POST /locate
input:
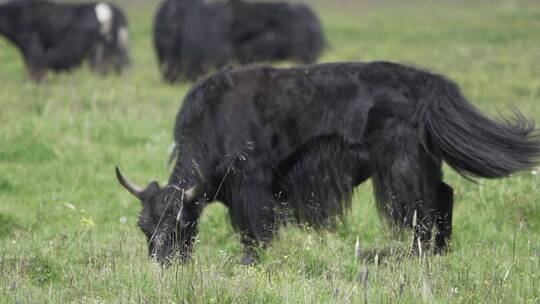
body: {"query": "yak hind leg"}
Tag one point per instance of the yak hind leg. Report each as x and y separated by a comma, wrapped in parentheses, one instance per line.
(443, 210)
(406, 181)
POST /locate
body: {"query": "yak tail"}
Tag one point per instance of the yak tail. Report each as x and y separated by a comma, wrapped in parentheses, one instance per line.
(471, 143)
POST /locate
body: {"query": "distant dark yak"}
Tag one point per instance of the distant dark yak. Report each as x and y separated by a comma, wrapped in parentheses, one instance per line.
(272, 142)
(58, 37)
(192, 37)
(275, 31)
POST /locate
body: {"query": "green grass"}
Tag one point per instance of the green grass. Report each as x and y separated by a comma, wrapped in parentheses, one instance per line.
(63, 235)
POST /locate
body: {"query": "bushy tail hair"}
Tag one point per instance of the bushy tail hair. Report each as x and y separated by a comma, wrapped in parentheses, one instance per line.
(471, 143)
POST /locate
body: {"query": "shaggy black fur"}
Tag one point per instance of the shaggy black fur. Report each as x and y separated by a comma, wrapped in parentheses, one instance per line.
(192, 37)
(59, 37)
(303, 138)
(327, 160)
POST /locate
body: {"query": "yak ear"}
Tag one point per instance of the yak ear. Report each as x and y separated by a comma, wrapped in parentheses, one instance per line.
(130, 186)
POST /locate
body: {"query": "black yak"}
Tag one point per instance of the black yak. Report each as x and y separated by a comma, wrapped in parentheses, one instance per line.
(58, 37)
(192, 37)
(268, 141)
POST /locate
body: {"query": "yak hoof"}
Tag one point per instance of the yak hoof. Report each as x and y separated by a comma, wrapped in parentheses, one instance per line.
(249, 259)
(441, 250)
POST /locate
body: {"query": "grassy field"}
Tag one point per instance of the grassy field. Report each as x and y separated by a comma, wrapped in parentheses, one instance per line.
(68, 231)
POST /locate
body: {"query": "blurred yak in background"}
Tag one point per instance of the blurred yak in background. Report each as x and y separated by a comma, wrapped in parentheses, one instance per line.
(59, 37)
(192, 37)
(267, 142)
(275, 31)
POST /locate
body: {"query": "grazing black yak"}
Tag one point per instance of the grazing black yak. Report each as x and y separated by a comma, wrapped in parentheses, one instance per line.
(261, 140)
(58, 37)
(192, 37)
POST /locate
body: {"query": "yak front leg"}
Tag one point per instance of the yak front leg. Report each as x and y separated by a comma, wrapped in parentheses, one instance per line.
(188, 228)
(34, 56)
(252, 212)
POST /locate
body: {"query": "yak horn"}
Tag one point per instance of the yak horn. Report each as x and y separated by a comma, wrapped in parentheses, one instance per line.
(130, 186)
(192, 193)
(196, 190)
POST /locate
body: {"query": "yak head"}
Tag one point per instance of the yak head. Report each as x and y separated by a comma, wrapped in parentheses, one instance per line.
(162, 218)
